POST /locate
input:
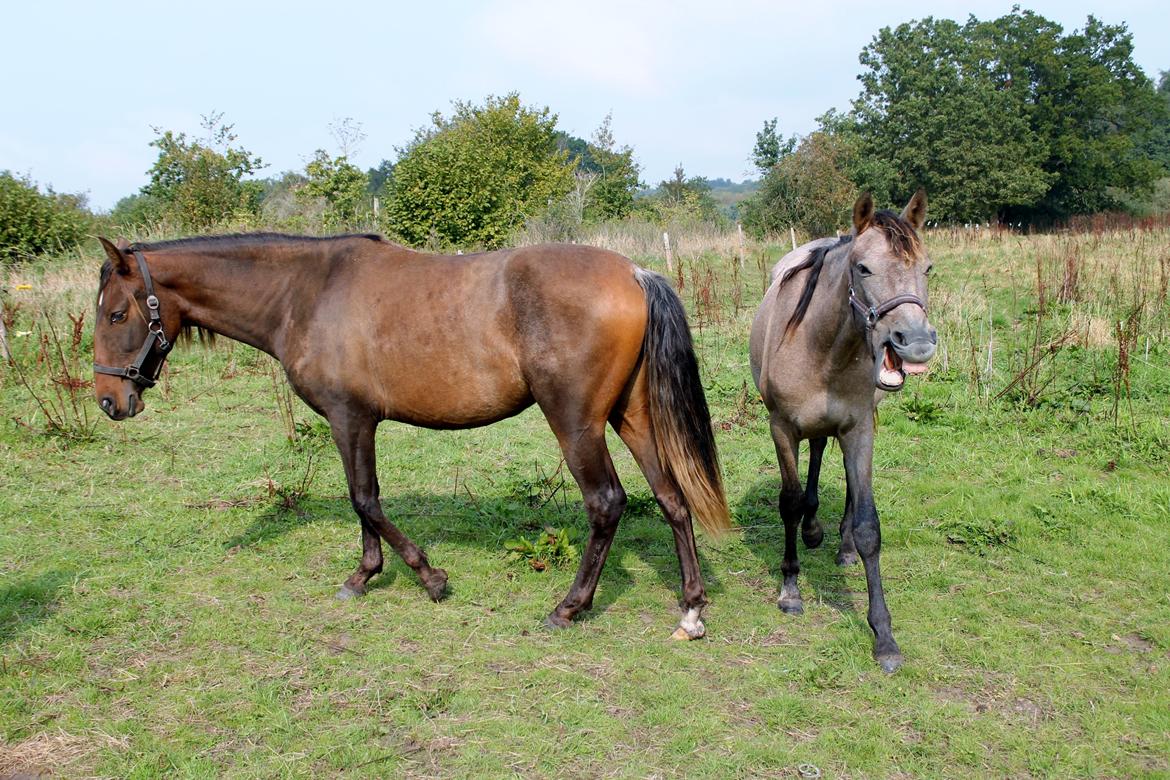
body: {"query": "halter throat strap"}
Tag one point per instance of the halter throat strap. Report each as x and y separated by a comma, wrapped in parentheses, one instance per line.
(155, 344)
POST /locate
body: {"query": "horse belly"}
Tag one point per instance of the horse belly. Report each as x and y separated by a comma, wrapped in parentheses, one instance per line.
(445, 386)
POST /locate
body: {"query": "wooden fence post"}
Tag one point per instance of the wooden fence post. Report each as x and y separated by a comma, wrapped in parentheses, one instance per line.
(669, 259)
(739, 230)
(792, 234)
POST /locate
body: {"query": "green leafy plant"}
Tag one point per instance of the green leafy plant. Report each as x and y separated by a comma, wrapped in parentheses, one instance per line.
(552, 548)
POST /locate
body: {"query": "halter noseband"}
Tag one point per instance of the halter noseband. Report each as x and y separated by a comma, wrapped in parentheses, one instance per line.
(872, 314)
(137, 372)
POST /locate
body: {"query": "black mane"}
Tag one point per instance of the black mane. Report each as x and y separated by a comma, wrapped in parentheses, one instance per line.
(232, 240)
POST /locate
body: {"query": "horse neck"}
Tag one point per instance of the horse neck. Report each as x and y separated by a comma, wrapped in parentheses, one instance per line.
(237, 292)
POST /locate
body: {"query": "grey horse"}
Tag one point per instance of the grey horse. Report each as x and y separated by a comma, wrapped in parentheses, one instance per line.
(822, 354)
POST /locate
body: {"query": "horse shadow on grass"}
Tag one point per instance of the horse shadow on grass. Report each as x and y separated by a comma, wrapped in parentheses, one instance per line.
(821, 579)
(25, 603)
(488, 522)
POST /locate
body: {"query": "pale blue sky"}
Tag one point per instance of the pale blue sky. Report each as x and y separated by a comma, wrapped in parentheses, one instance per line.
(689, 82)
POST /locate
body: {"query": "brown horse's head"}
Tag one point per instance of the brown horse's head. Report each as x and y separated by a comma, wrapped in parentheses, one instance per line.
(129, 334)
(889, 268)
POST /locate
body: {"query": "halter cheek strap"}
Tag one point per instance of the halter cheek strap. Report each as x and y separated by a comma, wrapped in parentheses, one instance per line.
(156, 343)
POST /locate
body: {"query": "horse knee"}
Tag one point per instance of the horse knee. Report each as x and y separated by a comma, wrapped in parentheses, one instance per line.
(791, 505)
(867, 532)
(605, 506)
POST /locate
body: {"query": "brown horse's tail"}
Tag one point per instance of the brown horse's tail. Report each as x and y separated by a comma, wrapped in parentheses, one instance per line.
(678, 408)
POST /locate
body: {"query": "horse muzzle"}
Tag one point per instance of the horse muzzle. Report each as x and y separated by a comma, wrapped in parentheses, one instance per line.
(907, 351)
(115, 411)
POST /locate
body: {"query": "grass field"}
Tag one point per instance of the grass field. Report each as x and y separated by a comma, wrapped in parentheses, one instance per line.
(166, 601)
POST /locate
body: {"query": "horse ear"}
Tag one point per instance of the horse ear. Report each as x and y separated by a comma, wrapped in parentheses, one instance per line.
(117, 254)
(915, 211)
(862, 213)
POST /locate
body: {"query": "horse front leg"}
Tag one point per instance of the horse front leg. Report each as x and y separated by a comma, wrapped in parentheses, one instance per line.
(791, 512)
(857, 446)
(354, 436)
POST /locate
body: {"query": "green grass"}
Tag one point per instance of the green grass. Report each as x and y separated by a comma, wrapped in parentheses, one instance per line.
(166, 601)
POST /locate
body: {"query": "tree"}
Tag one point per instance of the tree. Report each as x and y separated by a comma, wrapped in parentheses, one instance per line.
(612, 194)
(935, 116)
(472, 178)
(1007, 118)
(682, 199)
(770, 148)
(32, 222)
(342, 186)
(809, 189)
(198, 184)
(379, 178)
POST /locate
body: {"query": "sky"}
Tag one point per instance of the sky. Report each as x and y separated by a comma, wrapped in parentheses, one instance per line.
(690, 83)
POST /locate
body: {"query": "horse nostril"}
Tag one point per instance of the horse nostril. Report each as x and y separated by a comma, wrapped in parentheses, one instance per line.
(106, 404)
(933, 336)
(899, 338)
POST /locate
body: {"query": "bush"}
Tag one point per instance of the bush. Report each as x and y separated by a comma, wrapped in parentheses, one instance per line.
(32, 222)
(472, 179)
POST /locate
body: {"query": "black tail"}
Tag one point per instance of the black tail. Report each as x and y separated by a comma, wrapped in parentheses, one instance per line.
(678, 408)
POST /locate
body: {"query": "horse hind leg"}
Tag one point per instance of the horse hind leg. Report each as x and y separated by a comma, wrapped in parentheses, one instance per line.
(605, 500)
(810, 528)
(634, 427)
(792, 513)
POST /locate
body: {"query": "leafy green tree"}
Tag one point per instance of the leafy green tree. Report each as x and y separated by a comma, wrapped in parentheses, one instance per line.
(471, 178)
(379, 178)
(934, 115)
(612, 194)
(770, 147)
(342, 186)
(809, 189)
(1008, 118)
(198, 184)
(682, 199)
(32, 222)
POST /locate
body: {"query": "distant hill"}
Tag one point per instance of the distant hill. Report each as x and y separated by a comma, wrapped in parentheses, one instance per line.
(728, 193)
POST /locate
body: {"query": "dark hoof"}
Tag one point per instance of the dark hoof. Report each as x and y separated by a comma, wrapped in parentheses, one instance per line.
(555, 622)
(437, 584)
(346, 593)
(847, 558)
(791, 606)
(890, 662)
(812, 534)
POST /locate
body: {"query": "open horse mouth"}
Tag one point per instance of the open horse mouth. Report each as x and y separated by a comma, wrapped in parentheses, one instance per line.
(893, 371)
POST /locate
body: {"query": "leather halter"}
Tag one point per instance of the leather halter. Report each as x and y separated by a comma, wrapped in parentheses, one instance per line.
(156, 343)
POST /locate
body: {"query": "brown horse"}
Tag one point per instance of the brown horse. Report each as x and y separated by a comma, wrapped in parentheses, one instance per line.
(820, 352)
(369, 331)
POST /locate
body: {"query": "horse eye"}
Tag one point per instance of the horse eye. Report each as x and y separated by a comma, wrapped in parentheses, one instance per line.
(863, 270)
(929, 268)
(117, 317)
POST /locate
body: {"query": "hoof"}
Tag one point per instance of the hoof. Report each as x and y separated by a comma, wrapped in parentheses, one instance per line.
(682, 635)
(437, 584)
(690, 627)
(555, 622)
(791, 606)
(890, 662)
(847, 558)
(812, 534)
(346, 593)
